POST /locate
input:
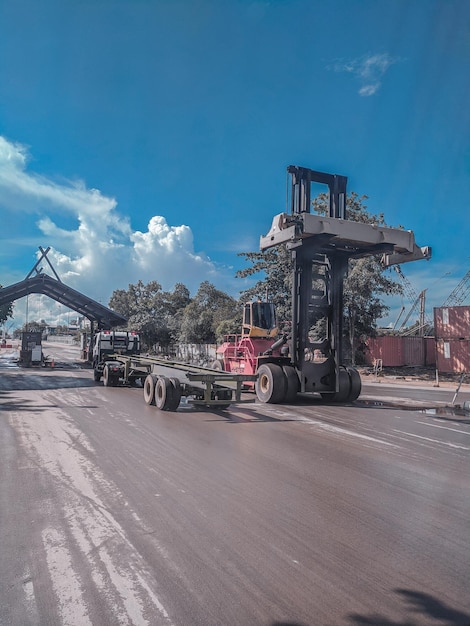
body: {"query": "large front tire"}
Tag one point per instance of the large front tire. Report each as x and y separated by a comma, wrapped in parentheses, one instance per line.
(271, 384)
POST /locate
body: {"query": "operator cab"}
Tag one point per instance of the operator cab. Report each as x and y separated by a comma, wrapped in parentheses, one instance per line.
(259, 320)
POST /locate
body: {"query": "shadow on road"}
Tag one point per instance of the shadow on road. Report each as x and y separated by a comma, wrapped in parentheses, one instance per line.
(248, 416)
(11, 404)
(28, 382)
(420, 605)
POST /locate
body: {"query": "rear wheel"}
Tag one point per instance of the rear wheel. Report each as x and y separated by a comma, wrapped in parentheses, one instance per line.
(164, 393)
(149, 389)
(109, 378)
(223, 394)
(271, 384)
(177, 393)
(96, 375)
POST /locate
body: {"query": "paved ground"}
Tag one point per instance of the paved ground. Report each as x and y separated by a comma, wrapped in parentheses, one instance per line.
(112, 512)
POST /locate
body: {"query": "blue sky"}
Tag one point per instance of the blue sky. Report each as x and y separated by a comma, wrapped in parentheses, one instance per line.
(149, 139)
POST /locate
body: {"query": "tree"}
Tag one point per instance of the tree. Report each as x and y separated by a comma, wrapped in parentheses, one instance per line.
(6, 311)
(176, 302)
(364, 286)
(34, 327)
(205, 313)
(153, 313)
(275, 279)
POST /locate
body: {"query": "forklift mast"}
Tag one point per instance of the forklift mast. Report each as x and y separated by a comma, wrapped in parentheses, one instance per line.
(321, 247)
(317, 288)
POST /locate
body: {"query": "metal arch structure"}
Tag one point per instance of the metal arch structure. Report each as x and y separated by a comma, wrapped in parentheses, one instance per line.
(99, 315)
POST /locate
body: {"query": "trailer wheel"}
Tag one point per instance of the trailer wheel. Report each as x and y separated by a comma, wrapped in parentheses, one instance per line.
(164, 396)
(356, 384)
(223, 394)
(271, 385)
(109, 380)
(343, 395)
(218, 364)
(177, 393)
(292, 383)
(149, 389)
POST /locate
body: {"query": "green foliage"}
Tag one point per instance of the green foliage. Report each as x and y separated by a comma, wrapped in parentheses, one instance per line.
(275, 279)
(168, 317)
(34, 326)
(207, 314)
(153, 313)
(6, 311)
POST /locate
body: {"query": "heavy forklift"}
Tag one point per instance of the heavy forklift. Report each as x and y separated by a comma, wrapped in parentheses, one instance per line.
(311, 359)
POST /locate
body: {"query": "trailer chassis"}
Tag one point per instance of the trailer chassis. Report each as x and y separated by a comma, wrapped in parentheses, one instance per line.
(166, 381)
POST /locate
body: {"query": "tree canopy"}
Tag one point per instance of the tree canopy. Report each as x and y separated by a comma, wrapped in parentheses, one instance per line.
(6, 311)
(162, 318)
(150, 311)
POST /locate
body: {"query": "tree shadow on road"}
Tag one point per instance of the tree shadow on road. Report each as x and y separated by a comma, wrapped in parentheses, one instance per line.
(422, 605)
(41, 383)
(244, 416)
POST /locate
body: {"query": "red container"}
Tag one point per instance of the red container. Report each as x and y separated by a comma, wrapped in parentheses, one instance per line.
(430, 347)
(452, 327)
(401, 351)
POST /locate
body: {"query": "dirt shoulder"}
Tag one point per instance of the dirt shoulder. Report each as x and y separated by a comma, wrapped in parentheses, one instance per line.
(422, 376)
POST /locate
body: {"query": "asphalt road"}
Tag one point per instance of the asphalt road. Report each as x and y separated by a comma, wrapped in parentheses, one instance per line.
(112, 512)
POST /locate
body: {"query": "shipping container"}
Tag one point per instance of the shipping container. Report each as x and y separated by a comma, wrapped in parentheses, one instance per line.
(452, 328)
(395, 351)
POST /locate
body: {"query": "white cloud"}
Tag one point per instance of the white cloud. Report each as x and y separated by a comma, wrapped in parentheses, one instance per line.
(368, 69)
(369, 90)
(101, 252)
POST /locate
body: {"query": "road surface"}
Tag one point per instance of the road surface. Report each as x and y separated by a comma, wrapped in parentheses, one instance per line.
(112, 512)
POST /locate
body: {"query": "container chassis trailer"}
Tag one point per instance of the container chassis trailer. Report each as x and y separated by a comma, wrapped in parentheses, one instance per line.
(166, 381)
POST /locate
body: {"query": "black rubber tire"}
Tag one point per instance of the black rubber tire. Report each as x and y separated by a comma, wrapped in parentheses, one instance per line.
(344, 388)
(96, 376)
(292, 383)
(271, 385)
(163, 393)
(177, 393)
(149, 389)
(356, 384)
(224, 394)
(218, 364)
(108, 379)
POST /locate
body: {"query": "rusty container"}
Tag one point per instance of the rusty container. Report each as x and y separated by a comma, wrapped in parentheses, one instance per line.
(452, 328)
(396, 351)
